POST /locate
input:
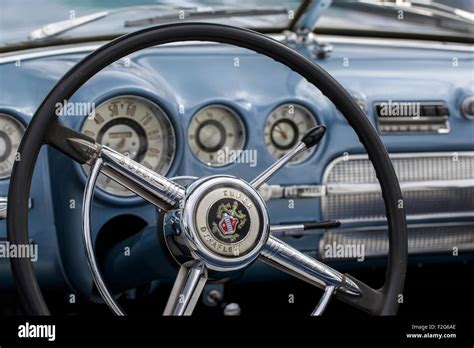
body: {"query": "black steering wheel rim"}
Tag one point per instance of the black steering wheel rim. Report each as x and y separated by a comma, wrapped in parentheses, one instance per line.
(44, 119)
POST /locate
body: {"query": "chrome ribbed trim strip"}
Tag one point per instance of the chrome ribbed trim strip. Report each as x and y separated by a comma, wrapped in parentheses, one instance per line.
(422, 239)
(351, 181)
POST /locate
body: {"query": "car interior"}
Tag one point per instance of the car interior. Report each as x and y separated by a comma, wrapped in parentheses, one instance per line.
(215, 158)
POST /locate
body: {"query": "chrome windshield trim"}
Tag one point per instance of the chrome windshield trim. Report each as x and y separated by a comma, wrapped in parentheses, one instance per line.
(29, 54)
(399, 43)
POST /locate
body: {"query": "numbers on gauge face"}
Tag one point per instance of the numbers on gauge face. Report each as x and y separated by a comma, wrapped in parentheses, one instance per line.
(136, 127)
(213, 132)
(284, 127)
(11, 132)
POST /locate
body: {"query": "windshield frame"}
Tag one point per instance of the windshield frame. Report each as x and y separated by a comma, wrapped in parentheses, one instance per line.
(59, 39)
(305, 6)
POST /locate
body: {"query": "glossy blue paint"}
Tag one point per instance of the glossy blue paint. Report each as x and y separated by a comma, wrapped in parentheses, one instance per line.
(194, 76)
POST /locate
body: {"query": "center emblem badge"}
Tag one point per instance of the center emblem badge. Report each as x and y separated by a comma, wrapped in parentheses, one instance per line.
(231, 221)
(228, 221)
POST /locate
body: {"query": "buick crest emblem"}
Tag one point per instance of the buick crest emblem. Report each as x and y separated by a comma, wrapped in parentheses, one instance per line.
(229, 221)
(228, 224)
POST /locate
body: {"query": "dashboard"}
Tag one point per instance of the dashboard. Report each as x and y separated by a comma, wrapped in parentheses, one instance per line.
(192, 110)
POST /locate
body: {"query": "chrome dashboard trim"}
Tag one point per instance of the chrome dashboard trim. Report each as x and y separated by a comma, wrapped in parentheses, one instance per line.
(414, 249)
(324, 189)
(414, 217)
(4, 207)
(46, 52)
(404, 185)
(465, 105)
(316, 191)
(349, 157)
(338, 189)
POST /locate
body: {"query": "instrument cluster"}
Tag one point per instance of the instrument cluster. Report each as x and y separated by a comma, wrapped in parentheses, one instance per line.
(11, 132)
(212, 131)
(284, 128)
(141, 129)
(134, 126)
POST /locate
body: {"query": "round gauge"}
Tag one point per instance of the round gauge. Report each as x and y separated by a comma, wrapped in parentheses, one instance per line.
(11, 132)
(285, 127)
(136, 127)
(215, 133)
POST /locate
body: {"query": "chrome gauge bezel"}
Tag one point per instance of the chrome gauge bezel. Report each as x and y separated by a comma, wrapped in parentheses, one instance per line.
(164, 118)
(236, 117)
(465, 107)
(22, 127)
(266, 131)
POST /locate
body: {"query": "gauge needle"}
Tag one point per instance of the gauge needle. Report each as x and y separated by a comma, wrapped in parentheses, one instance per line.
(210, 132)
(120, 144)
(282, 132)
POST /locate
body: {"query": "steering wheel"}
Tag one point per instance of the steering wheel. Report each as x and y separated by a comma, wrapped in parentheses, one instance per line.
(246, 236)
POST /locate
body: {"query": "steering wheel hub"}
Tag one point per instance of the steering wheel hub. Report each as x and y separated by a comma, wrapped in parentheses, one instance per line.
(225, 222)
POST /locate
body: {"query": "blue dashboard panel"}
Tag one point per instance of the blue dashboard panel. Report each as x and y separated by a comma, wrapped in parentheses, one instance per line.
(182, 79)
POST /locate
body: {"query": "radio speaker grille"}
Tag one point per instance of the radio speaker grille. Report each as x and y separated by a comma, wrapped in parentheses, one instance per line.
(441, 238)
(409, 168)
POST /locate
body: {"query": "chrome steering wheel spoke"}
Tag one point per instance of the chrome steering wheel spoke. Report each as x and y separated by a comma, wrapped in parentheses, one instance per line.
(190, 281)
(151, 186)
(284, 257)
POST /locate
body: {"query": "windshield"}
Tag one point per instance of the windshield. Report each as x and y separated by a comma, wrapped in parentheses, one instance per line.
(27, 21)
(18, 18)
(430, 17)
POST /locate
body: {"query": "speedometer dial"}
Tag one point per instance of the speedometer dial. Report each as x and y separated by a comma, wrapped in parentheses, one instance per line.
(136, 127)
(284, 127)
(11, 132)
(215, 134)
